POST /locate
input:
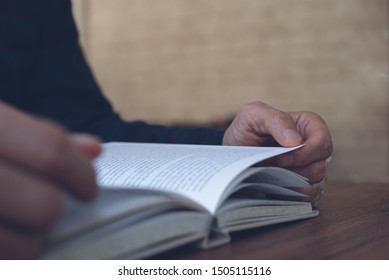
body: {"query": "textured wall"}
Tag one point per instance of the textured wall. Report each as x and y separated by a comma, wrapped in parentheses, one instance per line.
(194, 61)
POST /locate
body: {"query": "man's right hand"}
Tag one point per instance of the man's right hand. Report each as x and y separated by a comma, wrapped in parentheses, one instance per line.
(39, 161)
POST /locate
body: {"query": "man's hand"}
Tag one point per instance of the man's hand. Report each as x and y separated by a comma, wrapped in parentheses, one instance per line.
(39, 161)
(258, 124)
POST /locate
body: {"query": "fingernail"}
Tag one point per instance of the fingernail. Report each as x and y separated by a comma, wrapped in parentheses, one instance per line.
(89, 145)
(292, 135)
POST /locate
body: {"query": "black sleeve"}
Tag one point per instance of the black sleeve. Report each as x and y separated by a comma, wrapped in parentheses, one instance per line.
(61, 87)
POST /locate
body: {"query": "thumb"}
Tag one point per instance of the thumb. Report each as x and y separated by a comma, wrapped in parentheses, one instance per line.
(280, 126)
(290, 137)
(260, 121)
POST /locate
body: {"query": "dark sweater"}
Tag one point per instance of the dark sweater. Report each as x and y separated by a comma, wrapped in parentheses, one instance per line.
(43, 72)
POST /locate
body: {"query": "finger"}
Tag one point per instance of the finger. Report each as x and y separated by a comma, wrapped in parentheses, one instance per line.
(16, 245)
(317, 139)
(27, 201)
(47, 149)
(314, 172)
(266, 120)
(88, 144)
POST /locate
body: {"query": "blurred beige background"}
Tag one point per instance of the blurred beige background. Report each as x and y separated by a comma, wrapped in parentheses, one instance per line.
(186, 61)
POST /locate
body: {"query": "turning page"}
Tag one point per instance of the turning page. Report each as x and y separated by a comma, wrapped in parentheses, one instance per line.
(198, 172)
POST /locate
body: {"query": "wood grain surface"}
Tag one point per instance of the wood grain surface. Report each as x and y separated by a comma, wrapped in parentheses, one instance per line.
(353, 224)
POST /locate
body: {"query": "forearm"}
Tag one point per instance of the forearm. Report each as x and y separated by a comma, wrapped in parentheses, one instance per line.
(143, 132)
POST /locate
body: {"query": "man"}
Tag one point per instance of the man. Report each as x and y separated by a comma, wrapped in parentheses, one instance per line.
(51, 105)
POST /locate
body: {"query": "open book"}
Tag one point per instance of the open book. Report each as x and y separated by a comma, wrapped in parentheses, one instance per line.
(155, 197)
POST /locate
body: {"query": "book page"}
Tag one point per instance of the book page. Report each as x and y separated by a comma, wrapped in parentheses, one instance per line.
(278, 176)
(198, 172)
(109, 206)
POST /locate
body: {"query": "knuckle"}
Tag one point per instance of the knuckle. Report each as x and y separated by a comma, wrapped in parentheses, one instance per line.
(310, 115)
(318, 172)
(328, 146)
(255, 104)
(250, 109)
(253, 107)
(326, 138)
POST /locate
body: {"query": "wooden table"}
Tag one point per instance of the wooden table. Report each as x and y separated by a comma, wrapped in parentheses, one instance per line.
(353, 224)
